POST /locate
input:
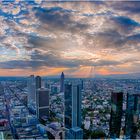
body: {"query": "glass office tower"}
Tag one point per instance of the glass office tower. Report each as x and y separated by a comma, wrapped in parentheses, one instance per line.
(38, 82)
(116, 114)
(72, 105)
(132, 115)
(68, 105)
(42, 102)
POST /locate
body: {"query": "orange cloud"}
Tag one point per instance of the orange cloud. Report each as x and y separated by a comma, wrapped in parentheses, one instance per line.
(105, 71)
(27, 72)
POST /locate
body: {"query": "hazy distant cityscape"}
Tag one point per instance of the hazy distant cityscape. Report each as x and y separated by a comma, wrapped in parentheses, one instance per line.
(69, 108)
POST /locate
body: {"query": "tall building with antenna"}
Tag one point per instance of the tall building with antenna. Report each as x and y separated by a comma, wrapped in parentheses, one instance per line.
(62, 82)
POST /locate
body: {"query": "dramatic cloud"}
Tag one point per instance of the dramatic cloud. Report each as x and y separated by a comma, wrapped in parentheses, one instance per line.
(71, 36)
(58, 18)
(129, 6)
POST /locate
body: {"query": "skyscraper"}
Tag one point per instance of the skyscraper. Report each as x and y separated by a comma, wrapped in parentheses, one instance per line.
(68, 105)
(38, 86)
(76, 105)
(132, 114)
(1, 89)
(31, 89)
(116, 114)
(72, 105)
(38, 82)
(42, 102)
(62, 82)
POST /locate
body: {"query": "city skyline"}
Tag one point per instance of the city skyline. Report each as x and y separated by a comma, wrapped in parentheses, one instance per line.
(38, 108)
(81, 39)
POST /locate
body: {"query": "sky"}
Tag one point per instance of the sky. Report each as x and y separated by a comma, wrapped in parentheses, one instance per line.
(83, 39)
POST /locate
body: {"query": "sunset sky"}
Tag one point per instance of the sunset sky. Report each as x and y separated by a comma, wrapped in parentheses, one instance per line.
(82, 39)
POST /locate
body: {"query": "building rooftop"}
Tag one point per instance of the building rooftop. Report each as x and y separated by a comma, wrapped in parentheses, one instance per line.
(76, 129)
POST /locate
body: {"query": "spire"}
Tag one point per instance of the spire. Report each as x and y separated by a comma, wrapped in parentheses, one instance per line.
(62, 75)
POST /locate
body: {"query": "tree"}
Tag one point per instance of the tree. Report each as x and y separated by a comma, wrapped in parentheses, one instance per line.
(84, 112)
(87, 134)
(98, 134)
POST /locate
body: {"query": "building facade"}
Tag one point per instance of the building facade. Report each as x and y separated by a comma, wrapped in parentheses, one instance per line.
(42, 102)
(38, 82)
(62, 82)
(76, 133)
(31, 89)
(72, 105)
(132, 115)
(76, 105)
(68, 105)
(116, 114)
